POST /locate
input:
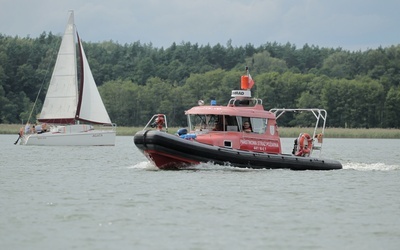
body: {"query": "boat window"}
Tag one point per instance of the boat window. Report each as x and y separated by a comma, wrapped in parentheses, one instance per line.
(203, 122)
(242, 121)
(258, 125)
(231, 123)
(214, 123)
(218, 124)
(231, 120)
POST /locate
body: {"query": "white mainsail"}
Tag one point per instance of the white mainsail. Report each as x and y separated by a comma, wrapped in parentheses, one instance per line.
(61, 98)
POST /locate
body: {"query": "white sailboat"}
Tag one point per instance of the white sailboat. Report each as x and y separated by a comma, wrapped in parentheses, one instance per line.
(68, 106)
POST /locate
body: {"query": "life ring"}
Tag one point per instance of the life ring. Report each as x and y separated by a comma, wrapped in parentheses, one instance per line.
(304, 149)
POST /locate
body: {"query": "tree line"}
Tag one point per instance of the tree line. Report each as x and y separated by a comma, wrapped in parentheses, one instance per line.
(359, 89)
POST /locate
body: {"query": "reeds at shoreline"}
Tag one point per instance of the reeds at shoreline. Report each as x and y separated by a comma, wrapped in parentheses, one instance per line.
(345, 132)
(284, 132)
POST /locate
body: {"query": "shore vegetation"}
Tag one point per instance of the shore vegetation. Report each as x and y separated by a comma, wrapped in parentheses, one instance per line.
(285, 132)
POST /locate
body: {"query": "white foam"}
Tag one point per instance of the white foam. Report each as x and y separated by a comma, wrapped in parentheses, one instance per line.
(370, 166)
(147, 165)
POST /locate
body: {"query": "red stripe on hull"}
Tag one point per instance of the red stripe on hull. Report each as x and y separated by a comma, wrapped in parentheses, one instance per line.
(167, 161)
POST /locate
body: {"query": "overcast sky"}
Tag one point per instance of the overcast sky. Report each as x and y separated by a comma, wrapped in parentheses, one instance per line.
(349, 24)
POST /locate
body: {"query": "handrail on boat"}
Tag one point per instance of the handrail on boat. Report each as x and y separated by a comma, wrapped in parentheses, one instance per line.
(153, 122)
(318, 114)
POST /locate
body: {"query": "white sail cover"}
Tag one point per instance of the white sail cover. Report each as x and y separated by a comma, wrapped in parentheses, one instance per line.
(62, 98)
(92, 108)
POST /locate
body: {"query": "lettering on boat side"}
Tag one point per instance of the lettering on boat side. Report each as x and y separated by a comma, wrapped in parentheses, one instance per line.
(270, 144)
(97, 135)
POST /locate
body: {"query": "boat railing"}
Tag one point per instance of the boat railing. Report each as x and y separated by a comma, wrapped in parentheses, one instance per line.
(157, 121)
(80, 127)
(319, 128)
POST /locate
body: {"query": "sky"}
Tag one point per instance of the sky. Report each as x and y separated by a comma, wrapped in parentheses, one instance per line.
(349, 24)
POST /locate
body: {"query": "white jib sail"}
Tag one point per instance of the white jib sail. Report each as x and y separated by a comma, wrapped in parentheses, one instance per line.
(92, 106)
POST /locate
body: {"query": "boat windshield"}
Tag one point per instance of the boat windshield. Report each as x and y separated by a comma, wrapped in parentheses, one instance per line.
(258, 125)
(204, 123)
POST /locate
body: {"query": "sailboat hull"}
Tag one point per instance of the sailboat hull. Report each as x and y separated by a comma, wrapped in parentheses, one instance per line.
(68, 138)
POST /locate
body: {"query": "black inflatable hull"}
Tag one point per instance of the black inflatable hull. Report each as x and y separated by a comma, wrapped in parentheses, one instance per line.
(168, 151)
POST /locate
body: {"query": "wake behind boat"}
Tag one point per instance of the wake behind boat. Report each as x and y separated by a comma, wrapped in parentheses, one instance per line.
(68, 106)
(241, 134)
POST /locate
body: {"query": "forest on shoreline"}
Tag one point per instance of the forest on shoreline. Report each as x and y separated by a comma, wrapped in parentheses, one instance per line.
(359, 89)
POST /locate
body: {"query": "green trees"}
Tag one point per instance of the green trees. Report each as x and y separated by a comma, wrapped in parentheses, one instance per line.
(358, 89)
(121, 98)
(391, 115)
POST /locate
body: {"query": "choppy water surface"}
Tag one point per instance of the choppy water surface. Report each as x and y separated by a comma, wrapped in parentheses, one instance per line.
(112, 198)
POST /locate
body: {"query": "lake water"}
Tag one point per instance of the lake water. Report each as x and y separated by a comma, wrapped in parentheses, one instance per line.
(113, 198)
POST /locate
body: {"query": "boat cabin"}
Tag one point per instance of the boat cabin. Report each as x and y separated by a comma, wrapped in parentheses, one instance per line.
(242, 124)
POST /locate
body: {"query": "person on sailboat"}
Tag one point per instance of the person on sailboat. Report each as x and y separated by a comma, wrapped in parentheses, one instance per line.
(40, 129)
(43, 128)
(20, 134)
(27, 128)
(33, 129)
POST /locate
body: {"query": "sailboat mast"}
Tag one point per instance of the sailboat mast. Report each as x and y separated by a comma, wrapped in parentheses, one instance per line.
(81, 82)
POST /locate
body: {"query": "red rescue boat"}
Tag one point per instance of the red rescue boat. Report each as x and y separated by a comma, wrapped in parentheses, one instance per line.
(241, 134)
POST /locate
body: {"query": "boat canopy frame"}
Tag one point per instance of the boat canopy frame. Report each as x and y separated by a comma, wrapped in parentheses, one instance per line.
(154, 123)
(319, 114)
